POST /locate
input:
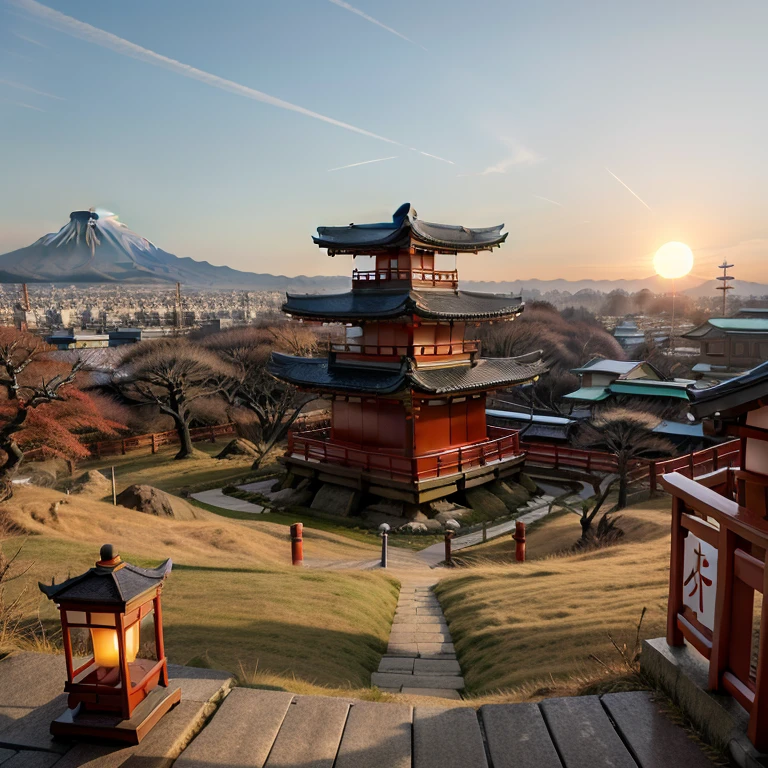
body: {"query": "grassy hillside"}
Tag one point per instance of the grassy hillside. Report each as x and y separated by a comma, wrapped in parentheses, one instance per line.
(231, 602)
(536, 623)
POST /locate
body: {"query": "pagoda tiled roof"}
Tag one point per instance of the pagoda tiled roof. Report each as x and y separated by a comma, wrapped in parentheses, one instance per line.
(373, 305)
(485, 373)
(404, 227)
(733, 396)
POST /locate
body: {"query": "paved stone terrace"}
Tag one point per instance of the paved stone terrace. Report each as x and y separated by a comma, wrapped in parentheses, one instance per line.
(276, 729)
(420, 658)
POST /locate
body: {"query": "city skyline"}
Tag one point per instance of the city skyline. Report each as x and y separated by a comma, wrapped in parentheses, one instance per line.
(596, 134)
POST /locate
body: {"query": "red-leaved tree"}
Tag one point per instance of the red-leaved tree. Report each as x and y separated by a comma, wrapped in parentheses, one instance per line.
(41, 406)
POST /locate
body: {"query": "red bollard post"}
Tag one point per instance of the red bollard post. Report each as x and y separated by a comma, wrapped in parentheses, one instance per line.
(297, 544)
(519, 537)
(448, 536)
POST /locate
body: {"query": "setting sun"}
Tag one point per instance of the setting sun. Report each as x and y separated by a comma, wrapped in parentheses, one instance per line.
(673, 260)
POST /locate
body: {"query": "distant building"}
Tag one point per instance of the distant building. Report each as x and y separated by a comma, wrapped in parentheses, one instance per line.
(534, 426)
(121, 336)
(71, 339)
(628, 334)
(731, 345)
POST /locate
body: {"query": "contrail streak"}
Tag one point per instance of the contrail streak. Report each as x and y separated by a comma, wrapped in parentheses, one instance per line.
(434, 157)
(628, 189)
(364, 162)
(352, 9)
(29, 89)
(91, 34)
(30, 40)
(547, 200)
(23, 104)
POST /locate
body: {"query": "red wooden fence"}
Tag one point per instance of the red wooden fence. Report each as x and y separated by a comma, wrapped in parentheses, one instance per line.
(156, 440)
(706, 518)
(697, 463)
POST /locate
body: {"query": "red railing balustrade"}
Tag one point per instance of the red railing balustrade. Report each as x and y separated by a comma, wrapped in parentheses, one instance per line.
(406, 350)
(697, 463)
(316, 446)
(717, 564)
(446, 278)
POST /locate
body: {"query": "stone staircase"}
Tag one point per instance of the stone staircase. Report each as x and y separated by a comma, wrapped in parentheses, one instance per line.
(420, 658)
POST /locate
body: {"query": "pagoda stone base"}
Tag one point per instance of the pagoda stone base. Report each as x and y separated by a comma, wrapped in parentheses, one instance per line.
(492, 490)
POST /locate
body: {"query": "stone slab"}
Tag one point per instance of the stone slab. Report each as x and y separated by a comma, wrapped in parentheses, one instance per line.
(408, 650)
(517, 737)
(231, 737)
(32, 759)
(435, 693)
(376, 736)
(311, 733)
(653, 739)
(435, 650)
(429, 611)
(583, 734)
(436, 667)
(395, 679)
(198, 684)
(6, 754)
(447, 738)
(428, 621)
(396, 664)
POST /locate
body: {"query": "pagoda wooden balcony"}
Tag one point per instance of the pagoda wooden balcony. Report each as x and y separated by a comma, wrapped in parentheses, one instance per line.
(459, 350)
(418, 277)
(727, 568)
(393, 475)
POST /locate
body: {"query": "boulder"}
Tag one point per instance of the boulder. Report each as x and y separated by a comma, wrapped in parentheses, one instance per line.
(153, 501)
(513, 495)
(433, 526)
(238, 448)
(443, 510)
(527, 483)
(485, 503)
(413, 528)
(336, 500)
(291, 497)
(91, 483)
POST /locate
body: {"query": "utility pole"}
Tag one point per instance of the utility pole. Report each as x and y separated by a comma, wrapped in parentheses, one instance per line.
(178, 306)
(726, 286)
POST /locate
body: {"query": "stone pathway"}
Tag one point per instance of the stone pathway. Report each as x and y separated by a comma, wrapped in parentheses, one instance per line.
(216, 498)
(420, 658)
(278, 729)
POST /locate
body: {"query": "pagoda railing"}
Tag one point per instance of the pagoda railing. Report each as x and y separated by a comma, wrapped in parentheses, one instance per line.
(316, 446)
(717, 564)
(444, 278)
(406, 350)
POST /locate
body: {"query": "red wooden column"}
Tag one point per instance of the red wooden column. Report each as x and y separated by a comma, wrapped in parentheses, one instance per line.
(675, 604)
(758, 717)
(159, 641)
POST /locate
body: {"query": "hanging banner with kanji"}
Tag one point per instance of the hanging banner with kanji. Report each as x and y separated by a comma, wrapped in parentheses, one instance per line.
(700, 579)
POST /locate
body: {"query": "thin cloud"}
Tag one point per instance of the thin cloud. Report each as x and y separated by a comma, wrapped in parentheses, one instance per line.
(547, 200)
(519, 155)
(631, 191)
(22, 104)
(29, 89)
(434, 157)
(364, 162)
(100, 37)
(30, 40)
(352, 9)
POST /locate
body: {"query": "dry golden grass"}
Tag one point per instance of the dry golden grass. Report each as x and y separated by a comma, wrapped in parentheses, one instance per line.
(232, 601)
(536, 626)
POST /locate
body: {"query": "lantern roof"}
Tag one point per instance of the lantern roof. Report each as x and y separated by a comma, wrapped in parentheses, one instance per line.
(431, 305)
(404, 228)
(111, 581)
(318, 373)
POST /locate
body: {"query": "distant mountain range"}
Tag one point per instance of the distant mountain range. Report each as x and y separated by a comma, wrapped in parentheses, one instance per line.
(689, 285)
(93, 248)
(98, 248)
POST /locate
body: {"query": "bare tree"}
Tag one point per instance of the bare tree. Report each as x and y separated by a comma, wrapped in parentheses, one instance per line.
(628, 435)
(249, 385)
(171, 374)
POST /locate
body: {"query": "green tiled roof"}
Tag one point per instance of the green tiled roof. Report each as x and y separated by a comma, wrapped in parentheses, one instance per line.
(655, 389)
(591, 394)
(755, 324)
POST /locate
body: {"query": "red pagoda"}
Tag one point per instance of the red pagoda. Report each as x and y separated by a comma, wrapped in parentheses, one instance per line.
(407, 385)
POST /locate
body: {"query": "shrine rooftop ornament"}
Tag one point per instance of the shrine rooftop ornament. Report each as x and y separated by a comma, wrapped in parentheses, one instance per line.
(113, 695)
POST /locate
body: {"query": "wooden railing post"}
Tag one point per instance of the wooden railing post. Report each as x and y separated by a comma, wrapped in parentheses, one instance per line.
(675, 602)
(758, 716)
(652, 476)
(721, 634)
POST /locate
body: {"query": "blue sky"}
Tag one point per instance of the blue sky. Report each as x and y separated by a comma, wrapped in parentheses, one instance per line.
(544, 110)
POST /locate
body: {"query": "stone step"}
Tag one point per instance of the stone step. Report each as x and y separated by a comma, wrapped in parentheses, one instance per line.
(517, 736)
(448, 737)
(436, 667)
(375, 735)
(437, 693)
(395, 679)
(396, 664)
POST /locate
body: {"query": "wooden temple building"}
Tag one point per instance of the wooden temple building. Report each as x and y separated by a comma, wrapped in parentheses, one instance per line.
(407, 384)
(719, 560)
